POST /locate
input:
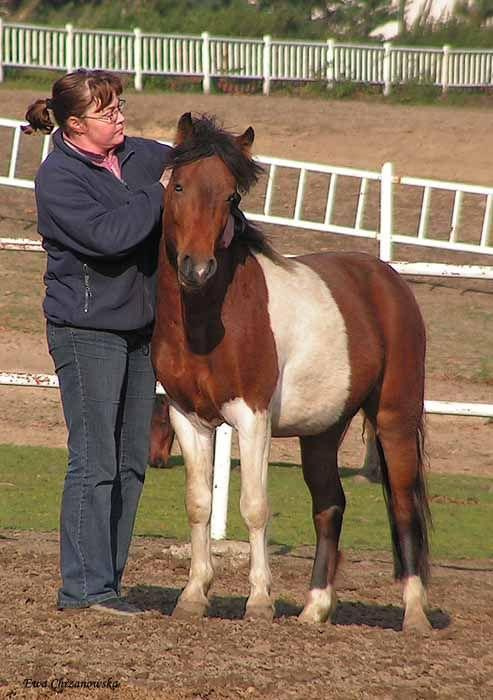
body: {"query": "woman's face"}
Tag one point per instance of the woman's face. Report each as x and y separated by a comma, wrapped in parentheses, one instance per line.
(103, 129)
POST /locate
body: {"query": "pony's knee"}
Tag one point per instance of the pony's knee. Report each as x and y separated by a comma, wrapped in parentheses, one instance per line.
(255, 510)
(328, 522)
(199, 506)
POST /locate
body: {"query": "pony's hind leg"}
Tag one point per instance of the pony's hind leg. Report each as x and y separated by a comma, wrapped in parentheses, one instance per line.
(402, 472)
(320, 471)
(196, 446)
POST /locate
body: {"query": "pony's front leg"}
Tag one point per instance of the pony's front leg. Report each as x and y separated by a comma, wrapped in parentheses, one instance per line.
(254, 435)
(196, 445)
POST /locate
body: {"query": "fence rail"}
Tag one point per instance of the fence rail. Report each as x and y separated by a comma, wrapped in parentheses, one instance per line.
(452, 234)
(264, 59)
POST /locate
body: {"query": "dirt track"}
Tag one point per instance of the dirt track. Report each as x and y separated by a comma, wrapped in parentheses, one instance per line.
(362, 655)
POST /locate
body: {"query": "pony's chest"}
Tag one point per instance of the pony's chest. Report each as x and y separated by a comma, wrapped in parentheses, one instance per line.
(204, 365)
(187, 380)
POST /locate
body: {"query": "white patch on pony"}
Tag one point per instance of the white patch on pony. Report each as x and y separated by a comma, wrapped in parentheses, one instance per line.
(196, 441)
(415, 605)
(320, 604)
(414, 593)
(312, 350)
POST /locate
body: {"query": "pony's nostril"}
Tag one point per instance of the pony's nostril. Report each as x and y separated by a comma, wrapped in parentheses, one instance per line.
(212, 267)
(186, 265)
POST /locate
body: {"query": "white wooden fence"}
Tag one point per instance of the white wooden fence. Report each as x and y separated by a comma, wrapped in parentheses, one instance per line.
(479, 241)
(266, 59)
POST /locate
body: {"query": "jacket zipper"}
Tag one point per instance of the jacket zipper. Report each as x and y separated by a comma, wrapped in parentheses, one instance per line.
(87, 288)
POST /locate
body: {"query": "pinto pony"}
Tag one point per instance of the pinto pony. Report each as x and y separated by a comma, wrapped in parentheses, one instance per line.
(283, 348)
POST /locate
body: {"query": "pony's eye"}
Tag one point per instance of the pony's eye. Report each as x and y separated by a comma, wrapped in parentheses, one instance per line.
(178, 187)
(231, 197)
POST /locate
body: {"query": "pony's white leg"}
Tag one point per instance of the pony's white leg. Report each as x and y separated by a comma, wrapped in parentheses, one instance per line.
(415, 604)
(196, 445)
(254, 435)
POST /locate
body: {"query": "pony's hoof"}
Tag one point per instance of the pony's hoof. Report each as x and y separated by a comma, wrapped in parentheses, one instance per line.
(259, 612)
(189, 610)
(416, 622)
(307, 617)
(319, 608)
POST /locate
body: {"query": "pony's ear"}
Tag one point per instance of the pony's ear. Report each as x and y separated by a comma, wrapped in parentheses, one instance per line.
(246, 139)
(185, 128)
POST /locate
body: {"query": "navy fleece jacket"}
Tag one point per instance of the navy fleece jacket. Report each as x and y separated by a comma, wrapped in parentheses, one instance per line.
(101, 235)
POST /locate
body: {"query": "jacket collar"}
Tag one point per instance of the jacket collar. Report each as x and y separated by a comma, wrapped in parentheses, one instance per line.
(123, 151)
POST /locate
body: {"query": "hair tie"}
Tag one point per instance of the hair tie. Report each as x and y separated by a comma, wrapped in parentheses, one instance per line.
(49, 103)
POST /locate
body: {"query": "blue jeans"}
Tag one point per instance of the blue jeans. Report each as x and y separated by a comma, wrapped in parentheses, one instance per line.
(107, 386)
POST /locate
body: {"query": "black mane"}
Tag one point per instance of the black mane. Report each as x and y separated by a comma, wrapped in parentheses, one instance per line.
(209, 139)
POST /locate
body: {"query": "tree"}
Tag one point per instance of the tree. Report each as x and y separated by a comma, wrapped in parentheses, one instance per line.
(476, 12)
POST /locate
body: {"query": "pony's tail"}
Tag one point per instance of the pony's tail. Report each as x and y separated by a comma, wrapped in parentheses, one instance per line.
(421, 517)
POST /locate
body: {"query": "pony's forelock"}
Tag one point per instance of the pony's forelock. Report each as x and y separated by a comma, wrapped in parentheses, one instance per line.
(209, 139)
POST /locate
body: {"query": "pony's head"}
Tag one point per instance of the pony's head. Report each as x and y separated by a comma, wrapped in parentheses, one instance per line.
(210, 168)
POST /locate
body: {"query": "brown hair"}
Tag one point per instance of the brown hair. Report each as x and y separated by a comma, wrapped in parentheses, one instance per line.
(71, 96)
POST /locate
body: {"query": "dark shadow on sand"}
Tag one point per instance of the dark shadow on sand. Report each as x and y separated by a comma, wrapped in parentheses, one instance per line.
(160, 599)
(154, 598)
(382, 616)
(163, 600)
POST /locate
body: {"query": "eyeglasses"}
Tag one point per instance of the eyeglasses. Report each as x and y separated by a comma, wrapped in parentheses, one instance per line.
(111, 116)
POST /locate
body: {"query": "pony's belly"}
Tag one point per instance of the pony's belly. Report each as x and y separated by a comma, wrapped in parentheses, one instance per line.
(305, 406)
(312, 349)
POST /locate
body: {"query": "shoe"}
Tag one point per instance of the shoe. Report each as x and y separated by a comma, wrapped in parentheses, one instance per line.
(117, 606)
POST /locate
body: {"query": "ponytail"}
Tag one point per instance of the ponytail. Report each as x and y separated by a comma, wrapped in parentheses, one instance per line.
(71, 95)
(38, 117)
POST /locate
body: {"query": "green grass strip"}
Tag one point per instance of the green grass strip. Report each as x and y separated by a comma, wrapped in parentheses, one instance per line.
(31, 481)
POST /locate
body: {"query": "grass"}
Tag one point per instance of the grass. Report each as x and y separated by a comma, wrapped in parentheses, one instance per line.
(31, 481)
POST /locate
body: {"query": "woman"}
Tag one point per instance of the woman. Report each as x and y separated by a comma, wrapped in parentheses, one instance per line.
(100, 199)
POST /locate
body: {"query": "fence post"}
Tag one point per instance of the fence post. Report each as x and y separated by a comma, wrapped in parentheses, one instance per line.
(220, 482)
(1, 50)
(206, 63)
(266, 65)
(69, 48)
(330, 63)
(444, 81)
(386, 212)
(387, 77)
(138, 59)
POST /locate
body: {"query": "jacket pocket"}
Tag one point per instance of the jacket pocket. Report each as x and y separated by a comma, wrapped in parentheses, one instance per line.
(87, 288)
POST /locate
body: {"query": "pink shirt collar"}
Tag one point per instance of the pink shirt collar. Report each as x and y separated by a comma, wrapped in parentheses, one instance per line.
(109, 161)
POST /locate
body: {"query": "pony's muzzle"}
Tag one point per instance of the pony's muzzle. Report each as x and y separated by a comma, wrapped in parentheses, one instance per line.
(195, 273)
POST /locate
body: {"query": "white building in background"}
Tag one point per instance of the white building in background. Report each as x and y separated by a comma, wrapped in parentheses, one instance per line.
(434, 10)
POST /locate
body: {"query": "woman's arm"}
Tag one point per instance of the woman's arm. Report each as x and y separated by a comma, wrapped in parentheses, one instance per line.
(69, 215)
